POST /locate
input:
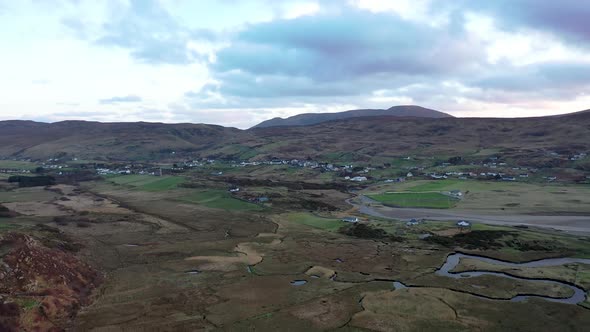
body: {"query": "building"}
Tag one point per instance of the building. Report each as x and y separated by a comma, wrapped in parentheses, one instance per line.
(456, 193)
(350, 219)
(463, 223)
(359, 178)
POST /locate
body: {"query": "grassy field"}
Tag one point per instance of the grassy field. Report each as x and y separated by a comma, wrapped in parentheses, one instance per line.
(418, 200)
(34, 194)
(17, 164)
(148, 182)
(515, 197)
(311, 220)
(219, 199)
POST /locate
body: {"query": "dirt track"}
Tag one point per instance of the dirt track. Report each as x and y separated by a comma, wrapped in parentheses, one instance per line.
(563, 223)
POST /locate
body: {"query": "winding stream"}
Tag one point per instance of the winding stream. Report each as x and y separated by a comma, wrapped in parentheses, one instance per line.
(453, 260)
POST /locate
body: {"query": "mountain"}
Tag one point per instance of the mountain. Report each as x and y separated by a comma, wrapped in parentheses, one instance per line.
(374, 139)
(107, 141)
(315, 118)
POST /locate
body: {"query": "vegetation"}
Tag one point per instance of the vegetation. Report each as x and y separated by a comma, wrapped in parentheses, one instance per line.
(149, 182)
(314, 221)
(15, 164)
(365, 231)
(5, 212)
(417, 200)
(32, 181)
(219, 199)
(473, 240)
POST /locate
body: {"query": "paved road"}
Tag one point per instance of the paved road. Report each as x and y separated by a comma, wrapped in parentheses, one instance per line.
(574, 224)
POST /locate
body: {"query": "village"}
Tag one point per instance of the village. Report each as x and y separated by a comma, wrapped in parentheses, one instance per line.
(489, 168)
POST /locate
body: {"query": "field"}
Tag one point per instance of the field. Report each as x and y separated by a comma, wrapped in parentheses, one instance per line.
(185, 257)
(419, 200)
(218, 199)
(504, 196)
(14, 164)
(148, 182)
(314, 221)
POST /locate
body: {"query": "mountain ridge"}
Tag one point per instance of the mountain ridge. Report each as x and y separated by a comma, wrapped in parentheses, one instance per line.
(307, 119)
(360, 138)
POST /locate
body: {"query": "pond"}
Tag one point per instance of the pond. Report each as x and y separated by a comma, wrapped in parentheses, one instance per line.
(298, 282)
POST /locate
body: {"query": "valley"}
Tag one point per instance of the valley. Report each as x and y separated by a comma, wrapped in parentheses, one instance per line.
(316, 241)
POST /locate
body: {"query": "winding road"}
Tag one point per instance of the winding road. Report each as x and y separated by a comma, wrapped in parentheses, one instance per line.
(576, 224)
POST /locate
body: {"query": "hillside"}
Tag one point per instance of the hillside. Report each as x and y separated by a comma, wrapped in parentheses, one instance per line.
(379, 138)
(315, 118)
(105, 141)
(369, 139)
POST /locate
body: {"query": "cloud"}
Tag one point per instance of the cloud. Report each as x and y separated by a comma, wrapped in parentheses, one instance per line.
(332, 58)
(348, 45)
(122, 99)
(145, 28)
(565, 18)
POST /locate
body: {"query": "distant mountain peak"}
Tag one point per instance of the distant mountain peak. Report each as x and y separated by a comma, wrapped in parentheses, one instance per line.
(307, 119)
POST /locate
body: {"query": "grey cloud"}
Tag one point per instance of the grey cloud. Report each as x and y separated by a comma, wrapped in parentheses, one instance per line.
(333, 58)
(548, 76)
(566, 18)
(350, 45)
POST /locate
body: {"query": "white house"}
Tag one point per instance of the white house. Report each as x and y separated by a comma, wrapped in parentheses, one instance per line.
(359, 178)
(350, 219)
(463, 223)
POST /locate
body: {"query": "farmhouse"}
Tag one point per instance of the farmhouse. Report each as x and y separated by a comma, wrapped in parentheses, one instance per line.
(350, 219)
(456, 193)
(463, 223)
(359, 178)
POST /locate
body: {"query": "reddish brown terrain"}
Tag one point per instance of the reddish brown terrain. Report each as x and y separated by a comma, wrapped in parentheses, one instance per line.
(41, 288)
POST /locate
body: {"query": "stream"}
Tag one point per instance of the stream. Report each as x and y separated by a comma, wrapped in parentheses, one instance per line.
(578, 296)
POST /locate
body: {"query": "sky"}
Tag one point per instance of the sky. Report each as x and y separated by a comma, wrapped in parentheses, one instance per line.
(237, 62)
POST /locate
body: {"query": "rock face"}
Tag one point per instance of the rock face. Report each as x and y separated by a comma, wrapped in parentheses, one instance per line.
(42, 288)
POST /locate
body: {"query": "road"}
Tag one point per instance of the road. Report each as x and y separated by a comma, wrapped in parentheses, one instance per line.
(574, 224)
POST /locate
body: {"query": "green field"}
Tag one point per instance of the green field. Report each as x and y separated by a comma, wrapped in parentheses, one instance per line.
(219, 199)
(148, 182)
(311, 220)
(438, 185)
(15, 164)
(417, 200)
(518, 197)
